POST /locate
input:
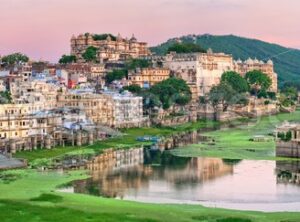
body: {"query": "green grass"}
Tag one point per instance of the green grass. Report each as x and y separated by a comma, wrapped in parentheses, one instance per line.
(234, 143)
(33, 198)
(128, 140)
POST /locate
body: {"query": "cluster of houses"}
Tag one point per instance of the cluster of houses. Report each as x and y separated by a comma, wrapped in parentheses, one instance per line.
(54, 104)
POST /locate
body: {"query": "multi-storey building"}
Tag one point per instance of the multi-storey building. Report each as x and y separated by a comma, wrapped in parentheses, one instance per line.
(36, 91)
(127, 111)
(204, 70)
(98, 107)
(16, 120)
(147, 77)
(109, 48)
(109, 109)
(250, 65)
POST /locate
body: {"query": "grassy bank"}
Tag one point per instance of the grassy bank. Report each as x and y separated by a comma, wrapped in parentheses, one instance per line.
(28, 195)
(128, 140)
(234, 143)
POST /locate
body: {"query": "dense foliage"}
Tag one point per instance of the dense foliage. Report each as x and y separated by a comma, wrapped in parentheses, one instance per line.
(90, 54)
(98, 37)
(224, 95)
(290, 92)
(285, 136)
(5, 97)
(14, 59)
(236, 81)
(286, 64)
(137, 63)
(185, 48)
(116, 74)
(172, 91)
(65, 59)
(133, 88)
(288, 96)
(258, 81)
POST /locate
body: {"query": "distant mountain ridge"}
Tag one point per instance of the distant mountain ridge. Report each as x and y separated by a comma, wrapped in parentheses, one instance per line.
(286, 60)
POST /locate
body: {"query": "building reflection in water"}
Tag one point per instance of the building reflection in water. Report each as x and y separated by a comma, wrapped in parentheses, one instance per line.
(288, 172)
(114, 173)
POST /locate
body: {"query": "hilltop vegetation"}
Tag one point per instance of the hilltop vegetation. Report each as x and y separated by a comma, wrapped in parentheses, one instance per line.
(286, 60)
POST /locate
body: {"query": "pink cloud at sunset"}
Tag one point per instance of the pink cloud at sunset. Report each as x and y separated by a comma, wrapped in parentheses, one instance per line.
(42, 28)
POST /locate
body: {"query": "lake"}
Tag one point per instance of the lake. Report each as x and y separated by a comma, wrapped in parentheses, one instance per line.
(153, 176)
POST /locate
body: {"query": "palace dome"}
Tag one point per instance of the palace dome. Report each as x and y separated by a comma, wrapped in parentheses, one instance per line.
(249, 61)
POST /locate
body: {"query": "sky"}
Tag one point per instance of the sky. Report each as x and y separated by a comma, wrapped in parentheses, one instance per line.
(42, 28)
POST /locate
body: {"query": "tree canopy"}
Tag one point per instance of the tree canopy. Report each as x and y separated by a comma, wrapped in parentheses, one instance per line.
(5, 97)
(133, 88)
(14, 59)
(116, 74)
(236, 81)
(172, 91)
(290, 92)
(65, 59)
(185, 48)
(258, 80)
(90, 54)
(137, 63)
(223, 95)
(288, 96)
(98, 37)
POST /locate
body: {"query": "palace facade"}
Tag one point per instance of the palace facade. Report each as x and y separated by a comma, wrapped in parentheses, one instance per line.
(202, 71)
(109, 48)
(147, 77)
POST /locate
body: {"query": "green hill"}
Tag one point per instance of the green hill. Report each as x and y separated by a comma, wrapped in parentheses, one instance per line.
(286, 60)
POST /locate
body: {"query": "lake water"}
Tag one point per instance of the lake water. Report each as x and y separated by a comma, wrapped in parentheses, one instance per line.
(158, 177)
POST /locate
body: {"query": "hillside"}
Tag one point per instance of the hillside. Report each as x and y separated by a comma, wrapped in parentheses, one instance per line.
(286, 60)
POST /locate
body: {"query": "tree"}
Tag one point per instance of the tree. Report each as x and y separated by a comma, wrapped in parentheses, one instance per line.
(133, 88)
(116, 74)
(65, 59)
(14, 59)
(236, 81)
(172, 91)
(257, 81)
(90, 54)
(97, 37)
(5, 97)
(288, 96)
(185, 48)
(137, 63)
(150, 100)
(223, 95)
(291, 93)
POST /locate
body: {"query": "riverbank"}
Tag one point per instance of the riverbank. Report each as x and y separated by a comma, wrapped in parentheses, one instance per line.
(33, 194)
(28, 195)
(127, 140)
(236, 143)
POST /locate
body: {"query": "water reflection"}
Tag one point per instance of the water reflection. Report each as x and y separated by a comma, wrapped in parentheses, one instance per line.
(152, 176)
(116, 173)
(288, 172)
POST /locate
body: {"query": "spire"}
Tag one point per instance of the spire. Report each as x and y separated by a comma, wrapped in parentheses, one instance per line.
(133, 39)
(119, 37)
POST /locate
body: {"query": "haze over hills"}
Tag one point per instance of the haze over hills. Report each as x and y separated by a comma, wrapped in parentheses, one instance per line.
(286, 60)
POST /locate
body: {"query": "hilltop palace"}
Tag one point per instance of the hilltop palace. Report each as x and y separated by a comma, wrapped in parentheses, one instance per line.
(204, 70)
(110, 48)
(200, 70)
